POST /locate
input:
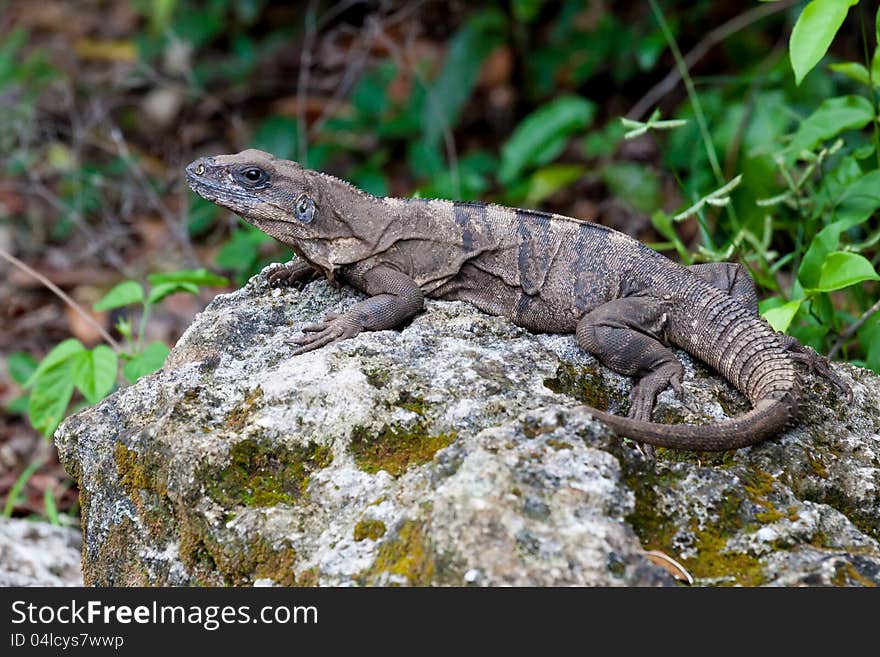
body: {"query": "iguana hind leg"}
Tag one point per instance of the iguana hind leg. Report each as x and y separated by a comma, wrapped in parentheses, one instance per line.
(627, 335)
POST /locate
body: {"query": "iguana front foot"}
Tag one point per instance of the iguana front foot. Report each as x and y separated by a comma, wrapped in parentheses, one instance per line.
(819, 365)
(295, 273)
(334, 328)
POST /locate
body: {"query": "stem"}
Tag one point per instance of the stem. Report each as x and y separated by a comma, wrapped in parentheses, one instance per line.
(61, 295)
(692, 93)
(851, 330)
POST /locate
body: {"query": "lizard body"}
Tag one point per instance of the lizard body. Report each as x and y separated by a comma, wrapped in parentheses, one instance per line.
(547, 273)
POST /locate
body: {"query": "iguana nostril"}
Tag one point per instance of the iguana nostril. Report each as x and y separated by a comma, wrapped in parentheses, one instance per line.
(200, 169)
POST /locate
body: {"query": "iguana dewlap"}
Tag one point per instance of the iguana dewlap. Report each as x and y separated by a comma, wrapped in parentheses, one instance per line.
(626, 303)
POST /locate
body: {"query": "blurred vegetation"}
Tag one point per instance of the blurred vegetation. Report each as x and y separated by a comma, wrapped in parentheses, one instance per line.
(742, 139)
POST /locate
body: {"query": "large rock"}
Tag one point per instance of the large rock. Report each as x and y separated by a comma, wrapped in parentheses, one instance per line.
(451, 452)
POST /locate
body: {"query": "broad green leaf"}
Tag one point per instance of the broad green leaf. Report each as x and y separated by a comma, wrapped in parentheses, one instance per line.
(50, 397)
(124, 294)
(94, 372)
(548, 180)
(151, 359)
(833, 116)
(854, 71)
(635, 183)
(162, 290)
(780, 317)
(813, 32)
(859, 200)
(19, 405)
(824, 242)
(21, 366)
(194, 276)
(59, 354)
(541, 135)
(842, 269)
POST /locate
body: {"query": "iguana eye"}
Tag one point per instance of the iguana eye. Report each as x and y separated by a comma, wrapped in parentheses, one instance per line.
(253, 177)
(305, 209)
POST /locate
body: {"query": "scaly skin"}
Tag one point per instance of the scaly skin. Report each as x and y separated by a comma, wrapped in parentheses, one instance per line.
(626, 303)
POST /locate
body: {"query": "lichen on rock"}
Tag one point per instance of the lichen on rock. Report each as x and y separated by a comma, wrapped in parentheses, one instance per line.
(455, 451)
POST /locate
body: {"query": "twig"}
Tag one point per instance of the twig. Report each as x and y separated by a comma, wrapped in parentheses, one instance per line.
(66, 299)
(714, 37)
(851, 330)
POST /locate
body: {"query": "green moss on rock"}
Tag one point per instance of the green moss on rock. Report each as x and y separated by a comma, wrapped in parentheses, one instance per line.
(587, 386)
(263, 474)
(395, 447)
(372, 529)
(408, 553)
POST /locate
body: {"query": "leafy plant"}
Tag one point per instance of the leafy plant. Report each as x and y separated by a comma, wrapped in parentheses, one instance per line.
(71, 366)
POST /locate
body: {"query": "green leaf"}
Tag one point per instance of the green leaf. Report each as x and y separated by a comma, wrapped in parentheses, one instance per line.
(94, 372)
(19, 405)
(124, 294)
(854, 71)
(162, 290)
(50, 397)
(59, 354)
(21, 366)
(813, 32)
(823, 243)
(833, 116)
(542, 135)
(859, 200)
(278, 135)
(844, 268)
(635, 183)
(780, 317)
(194, 276)
(201, 216)
(548, 180)
(151, 359)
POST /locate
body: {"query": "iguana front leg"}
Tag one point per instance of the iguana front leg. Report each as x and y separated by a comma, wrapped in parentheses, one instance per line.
(395, 298)
(295, 273)
(628, 336)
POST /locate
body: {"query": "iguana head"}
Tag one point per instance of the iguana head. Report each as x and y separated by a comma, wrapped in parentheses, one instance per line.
(323, 219)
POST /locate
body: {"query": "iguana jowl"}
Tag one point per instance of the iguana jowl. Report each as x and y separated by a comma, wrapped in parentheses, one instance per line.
(548, 273)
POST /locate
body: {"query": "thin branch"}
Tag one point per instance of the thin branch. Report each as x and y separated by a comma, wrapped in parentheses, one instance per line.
(61, 295)
(714, 37)
(851, 330)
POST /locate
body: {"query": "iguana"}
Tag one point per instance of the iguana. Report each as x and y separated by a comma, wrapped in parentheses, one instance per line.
(626, 303)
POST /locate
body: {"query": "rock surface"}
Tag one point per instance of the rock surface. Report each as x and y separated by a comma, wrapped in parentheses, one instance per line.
(38, 554)
(452, 452)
